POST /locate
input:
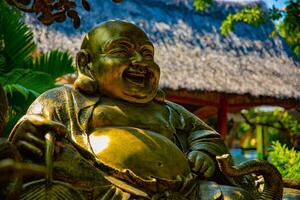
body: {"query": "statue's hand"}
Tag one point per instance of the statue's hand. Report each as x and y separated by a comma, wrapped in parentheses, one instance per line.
(202, 163)
(28, 135)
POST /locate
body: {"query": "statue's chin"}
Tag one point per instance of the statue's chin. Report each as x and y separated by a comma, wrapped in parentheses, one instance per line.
(145, 153)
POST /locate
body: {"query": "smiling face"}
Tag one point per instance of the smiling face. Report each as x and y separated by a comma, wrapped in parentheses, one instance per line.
(122, 62)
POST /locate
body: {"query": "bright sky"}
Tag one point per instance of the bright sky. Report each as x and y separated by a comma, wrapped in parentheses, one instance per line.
(278, 3)
(270, 3)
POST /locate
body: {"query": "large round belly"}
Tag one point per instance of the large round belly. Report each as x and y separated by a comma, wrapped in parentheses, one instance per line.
(145, 153)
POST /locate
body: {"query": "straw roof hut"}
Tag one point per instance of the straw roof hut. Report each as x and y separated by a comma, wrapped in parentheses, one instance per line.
(201, 69)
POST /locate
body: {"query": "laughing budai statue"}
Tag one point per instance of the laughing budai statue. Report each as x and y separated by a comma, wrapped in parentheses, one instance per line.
(116, 135)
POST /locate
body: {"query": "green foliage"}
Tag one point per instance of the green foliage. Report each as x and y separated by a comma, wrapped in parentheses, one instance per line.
(289, 28)
(280, 124)
(16, 37)
(19, 98)
(275, 13)
(287, 161)
(254, 16)
(54, 63)
(202, 4)
(243, 127)
(28, 78)
(24, 76)
(280, 119)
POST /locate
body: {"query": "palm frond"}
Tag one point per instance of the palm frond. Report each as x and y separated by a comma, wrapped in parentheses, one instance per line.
(13, 90)
(55, 63)
(2, 60)
(13, 119)
(19, 99)
(27, 78)
(17, 37)
(23, 76)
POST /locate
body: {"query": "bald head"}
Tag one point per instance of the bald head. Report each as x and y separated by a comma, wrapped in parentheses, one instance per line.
(101, 35)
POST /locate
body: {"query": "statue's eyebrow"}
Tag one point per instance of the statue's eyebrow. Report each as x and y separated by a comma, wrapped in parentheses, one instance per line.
(147, 45)
(117, 42)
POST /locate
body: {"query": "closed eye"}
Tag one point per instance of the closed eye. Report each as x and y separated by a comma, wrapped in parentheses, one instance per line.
(119, 47)
(147, 54)
(119, 52)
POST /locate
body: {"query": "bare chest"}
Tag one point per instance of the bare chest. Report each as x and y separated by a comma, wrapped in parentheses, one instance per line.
(115, 113)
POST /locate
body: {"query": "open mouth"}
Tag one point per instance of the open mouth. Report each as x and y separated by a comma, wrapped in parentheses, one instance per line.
(137, 76)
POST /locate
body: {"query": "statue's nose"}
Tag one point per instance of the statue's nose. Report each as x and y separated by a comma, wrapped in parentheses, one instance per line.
(136, 57)
(138, 68)
(137, 63)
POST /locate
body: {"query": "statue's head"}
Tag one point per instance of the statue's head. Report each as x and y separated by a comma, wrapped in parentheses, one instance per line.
(116, 60)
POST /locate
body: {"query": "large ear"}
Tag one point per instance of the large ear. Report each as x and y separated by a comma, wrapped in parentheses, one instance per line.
(83, 59)
(85, 82)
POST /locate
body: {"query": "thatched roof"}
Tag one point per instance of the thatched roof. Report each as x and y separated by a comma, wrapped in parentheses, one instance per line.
(192, 54)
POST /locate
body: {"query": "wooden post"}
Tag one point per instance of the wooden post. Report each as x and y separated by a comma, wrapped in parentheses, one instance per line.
(260, 141)
(222, 116)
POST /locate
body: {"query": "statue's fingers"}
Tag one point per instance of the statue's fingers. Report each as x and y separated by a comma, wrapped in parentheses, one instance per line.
(203, 168)
(23, 127)
(109, 194)
(27, 148)
(33, 139)
(10, 167)
(117, 195)
(47, 124)
(199, 161)
(57, 127)
(192, 157)
(209, 172)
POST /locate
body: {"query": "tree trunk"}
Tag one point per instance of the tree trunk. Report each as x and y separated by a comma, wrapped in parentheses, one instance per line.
(3, 110)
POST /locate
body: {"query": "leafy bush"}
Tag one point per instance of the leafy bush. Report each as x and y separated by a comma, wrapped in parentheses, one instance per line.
(288, 18)
(202, 4)
(287, 161)
(254, 16)
(279, 124)
(22, 75)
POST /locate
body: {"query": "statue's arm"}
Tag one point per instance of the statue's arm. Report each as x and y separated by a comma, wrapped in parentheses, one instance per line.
(202, 138)
(199, 135)
(203, 143)
(41, 117)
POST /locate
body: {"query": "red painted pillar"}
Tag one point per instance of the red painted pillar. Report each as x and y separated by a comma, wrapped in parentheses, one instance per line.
(222, 116)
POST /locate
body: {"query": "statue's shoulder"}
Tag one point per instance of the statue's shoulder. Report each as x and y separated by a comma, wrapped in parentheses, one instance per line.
(59, 92)
(55, 97)
(61, 98)
(176, 107)
(160, 98)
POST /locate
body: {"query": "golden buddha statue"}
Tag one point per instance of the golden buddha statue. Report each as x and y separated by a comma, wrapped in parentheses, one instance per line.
(117, 137)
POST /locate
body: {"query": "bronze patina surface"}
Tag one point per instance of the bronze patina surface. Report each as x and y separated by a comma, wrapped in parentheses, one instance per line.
(146, 153)
(116, 135)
